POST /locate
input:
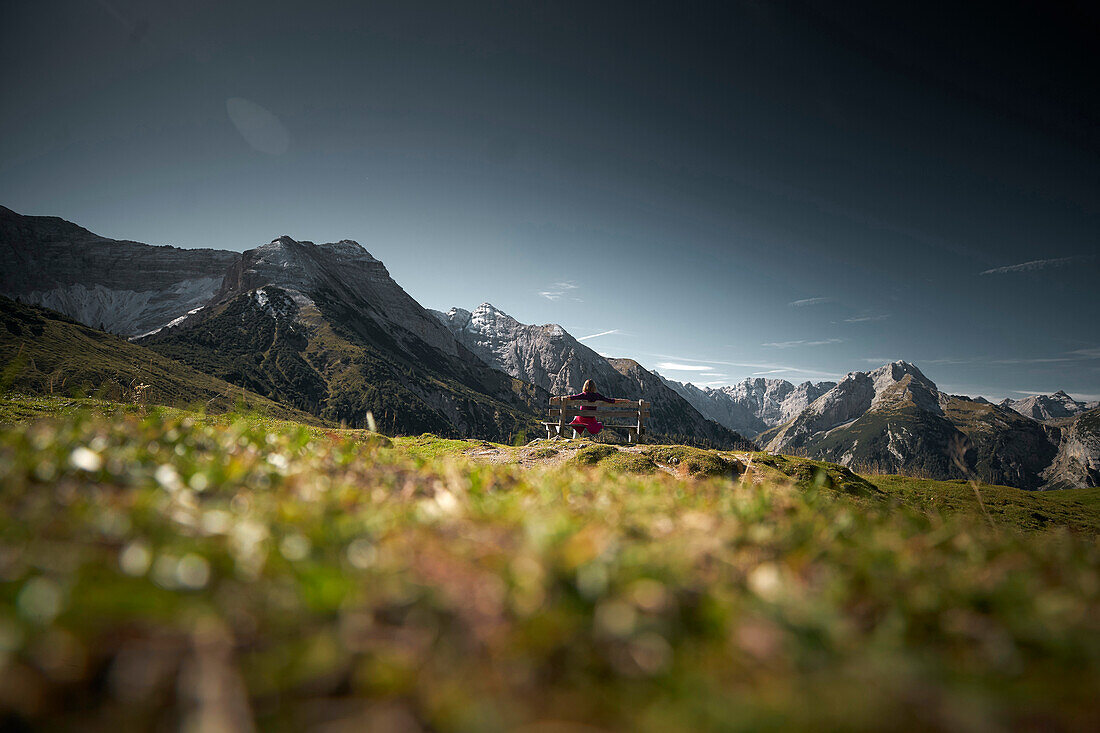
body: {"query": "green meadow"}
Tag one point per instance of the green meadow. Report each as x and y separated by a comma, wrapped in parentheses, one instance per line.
(166, 568)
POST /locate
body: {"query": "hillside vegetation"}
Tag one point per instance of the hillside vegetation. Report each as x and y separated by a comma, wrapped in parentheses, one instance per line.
(43, 352)
(167, 569)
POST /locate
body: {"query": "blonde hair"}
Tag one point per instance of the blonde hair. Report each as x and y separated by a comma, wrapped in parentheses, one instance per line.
(589, 386)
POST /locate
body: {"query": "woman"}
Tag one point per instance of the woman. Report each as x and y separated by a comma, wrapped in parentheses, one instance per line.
(589, 394)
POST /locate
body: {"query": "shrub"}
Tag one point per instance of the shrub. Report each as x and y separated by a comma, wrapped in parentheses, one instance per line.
(593, 454)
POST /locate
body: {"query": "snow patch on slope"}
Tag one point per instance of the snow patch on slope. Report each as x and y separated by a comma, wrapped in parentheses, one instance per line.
(172, 323)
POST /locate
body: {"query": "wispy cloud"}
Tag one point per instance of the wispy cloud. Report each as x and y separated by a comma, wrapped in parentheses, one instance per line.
(814, 373)
(1075, 355)
(1032, 265)
(673, 366)
(809, 301)
(801, 342)
(866, 319)
(1038, 360)
(770, 371)
(601, 333)
(557, 290)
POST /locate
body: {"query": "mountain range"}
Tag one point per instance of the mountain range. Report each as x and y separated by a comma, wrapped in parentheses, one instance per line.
(895, 420)
(323, 329)
(320, 328)
(119, 286)
(549, 357)
(753, 405)
(1049, 407)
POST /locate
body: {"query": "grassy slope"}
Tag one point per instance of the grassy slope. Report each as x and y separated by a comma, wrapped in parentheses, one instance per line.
(1007, 506)
(1017, 509)
(314, 575)
(43, 352)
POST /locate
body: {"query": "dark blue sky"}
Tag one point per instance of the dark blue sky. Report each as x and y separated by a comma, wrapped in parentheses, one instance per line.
(796, 190)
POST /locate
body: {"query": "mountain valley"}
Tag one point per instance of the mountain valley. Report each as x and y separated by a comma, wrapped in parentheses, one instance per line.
(322, 329)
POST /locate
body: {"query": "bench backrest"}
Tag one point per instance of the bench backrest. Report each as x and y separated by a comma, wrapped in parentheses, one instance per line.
(566, 409)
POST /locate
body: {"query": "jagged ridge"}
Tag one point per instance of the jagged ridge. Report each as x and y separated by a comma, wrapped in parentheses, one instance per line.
(894, 420)
(752, 405)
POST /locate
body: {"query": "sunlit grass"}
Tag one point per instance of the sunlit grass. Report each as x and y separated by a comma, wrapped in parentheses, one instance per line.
(168, 568)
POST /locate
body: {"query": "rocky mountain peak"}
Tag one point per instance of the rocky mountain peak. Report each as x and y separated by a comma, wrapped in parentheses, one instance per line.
(899, 372)
(895, 384)
(341, 275)
(350, 249)
(459, 317)
(754, 404)
(302, 265)
(288, 251)
(895, 371)
(759, 389)
(1046, 407)
(489, 320)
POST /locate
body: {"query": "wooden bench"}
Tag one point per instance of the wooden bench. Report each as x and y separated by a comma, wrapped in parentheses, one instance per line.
(629, 415)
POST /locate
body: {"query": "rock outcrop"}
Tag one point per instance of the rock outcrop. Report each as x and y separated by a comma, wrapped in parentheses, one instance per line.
(1077, 464)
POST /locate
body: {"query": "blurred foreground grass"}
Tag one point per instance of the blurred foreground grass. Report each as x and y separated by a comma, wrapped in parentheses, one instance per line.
(167, 569)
